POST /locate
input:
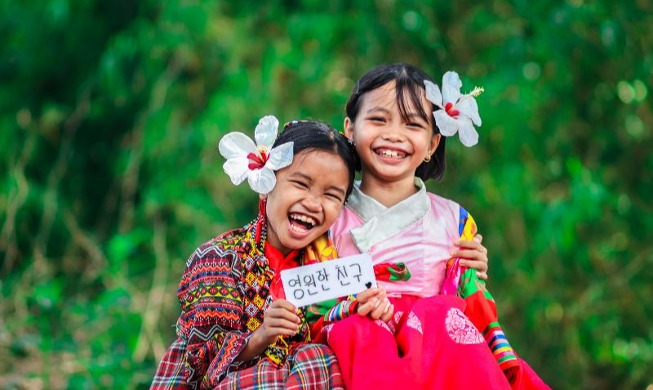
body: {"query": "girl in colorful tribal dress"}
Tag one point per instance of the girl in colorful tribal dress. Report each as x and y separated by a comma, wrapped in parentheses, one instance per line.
(416, 330)
(236, 330)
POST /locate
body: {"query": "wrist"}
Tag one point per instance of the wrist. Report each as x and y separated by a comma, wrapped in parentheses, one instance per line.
(260, 339)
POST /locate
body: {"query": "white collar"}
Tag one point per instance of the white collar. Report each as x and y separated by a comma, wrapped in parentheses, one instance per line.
(380, 222)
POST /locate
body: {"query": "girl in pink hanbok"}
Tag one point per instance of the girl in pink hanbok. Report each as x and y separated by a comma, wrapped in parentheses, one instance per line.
(430, 324)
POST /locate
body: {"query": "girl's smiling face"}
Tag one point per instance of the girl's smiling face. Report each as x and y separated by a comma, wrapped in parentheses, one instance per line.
(390, 147)
(306, 200)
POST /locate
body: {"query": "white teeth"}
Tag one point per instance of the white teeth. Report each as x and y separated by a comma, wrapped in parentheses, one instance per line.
(304, 218)
(391, 153)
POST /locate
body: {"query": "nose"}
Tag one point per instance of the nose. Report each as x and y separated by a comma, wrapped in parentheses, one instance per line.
(312, 202)
(393, 134)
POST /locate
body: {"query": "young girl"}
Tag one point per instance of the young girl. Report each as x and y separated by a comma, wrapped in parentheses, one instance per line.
(236, 330)
(414, 332)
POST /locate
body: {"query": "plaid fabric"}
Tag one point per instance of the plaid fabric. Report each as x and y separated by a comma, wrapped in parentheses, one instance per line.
(171, 369)
(311, 366)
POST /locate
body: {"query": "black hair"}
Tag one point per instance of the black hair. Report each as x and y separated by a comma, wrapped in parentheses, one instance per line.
(316, 135)
(409, 88)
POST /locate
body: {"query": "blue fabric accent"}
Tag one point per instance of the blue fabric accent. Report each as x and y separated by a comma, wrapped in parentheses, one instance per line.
(463, 220)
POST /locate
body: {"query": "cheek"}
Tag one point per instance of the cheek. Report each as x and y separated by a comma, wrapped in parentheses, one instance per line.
(331, 212)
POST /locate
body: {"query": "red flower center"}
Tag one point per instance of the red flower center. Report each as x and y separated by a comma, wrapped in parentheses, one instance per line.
(452, 112)
(256, 161)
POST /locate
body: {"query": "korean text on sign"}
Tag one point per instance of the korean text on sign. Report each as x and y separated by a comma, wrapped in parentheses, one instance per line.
(328, 280)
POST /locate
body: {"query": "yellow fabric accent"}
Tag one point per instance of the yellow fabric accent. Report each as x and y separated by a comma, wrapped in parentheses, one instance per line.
(258, 301)
(321, 249)
(469, 231)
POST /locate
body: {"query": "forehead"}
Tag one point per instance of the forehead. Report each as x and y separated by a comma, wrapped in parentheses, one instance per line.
(319, 165)
(386, 97)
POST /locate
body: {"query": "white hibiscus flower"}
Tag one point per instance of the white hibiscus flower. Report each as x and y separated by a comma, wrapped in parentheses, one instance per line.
(458, 113)
(256, 162)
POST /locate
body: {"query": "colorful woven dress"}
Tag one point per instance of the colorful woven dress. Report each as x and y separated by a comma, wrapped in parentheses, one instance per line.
(435, 340)
(224, 291)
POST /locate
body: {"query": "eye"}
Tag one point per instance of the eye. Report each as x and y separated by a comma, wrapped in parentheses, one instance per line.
(378, 119)
(417, 125)
(299, 183)
(333, 196)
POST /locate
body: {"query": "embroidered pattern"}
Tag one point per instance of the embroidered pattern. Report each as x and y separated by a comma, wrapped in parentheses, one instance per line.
(414, 322)
(460, 328)
(383, 325)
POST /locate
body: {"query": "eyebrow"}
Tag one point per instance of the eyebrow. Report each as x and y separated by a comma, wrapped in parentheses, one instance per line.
(375, 109)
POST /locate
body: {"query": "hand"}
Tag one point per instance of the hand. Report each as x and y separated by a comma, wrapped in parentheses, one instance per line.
(374, 303)
(280, 319)
(472, 254)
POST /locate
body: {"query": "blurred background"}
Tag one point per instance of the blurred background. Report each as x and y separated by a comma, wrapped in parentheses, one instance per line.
(110, 113)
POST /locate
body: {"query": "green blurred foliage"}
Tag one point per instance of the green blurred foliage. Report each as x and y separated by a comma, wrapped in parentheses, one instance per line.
(110, 113)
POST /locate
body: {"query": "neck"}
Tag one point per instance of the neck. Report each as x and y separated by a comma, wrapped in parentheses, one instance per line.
(388, 194)
(274, 248)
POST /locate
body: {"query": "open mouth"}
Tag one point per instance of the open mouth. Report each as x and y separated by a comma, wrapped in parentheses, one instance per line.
(390, 153)
(301, 223)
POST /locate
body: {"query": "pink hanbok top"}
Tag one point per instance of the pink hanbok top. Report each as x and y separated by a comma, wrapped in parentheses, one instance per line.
(418, 231)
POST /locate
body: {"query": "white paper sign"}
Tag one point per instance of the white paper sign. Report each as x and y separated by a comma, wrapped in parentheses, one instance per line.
(328, 280)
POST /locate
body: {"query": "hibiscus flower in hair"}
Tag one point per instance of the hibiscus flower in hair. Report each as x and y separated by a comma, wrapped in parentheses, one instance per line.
(458, 112)
(256, 162)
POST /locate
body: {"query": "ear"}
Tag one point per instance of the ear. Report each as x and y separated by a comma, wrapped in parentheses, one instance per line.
(262, 196)
(349, 128)
(435, 141)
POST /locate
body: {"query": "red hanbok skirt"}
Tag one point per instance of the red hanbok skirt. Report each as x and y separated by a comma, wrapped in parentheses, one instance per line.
(429, 344)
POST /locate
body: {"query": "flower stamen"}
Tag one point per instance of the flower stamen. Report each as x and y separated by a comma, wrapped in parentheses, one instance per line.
(477, 91)
(257, 161)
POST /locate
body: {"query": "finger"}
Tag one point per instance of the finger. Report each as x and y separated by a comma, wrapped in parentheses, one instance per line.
(464, 244)
(282, 313)
(273, 331)
(281, 323)
(478, 265)
(478, 238)
(482, 275)
(380, 308)
(367, 307)
(470, 254)
(283, 304)
(387, 315)
(367, 294)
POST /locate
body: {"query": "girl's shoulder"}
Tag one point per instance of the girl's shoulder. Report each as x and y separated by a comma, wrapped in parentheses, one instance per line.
(221, 246)
(450, 209)
(443, 203)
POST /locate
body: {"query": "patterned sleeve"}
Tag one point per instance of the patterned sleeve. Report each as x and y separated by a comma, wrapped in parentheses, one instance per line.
(210, 325)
